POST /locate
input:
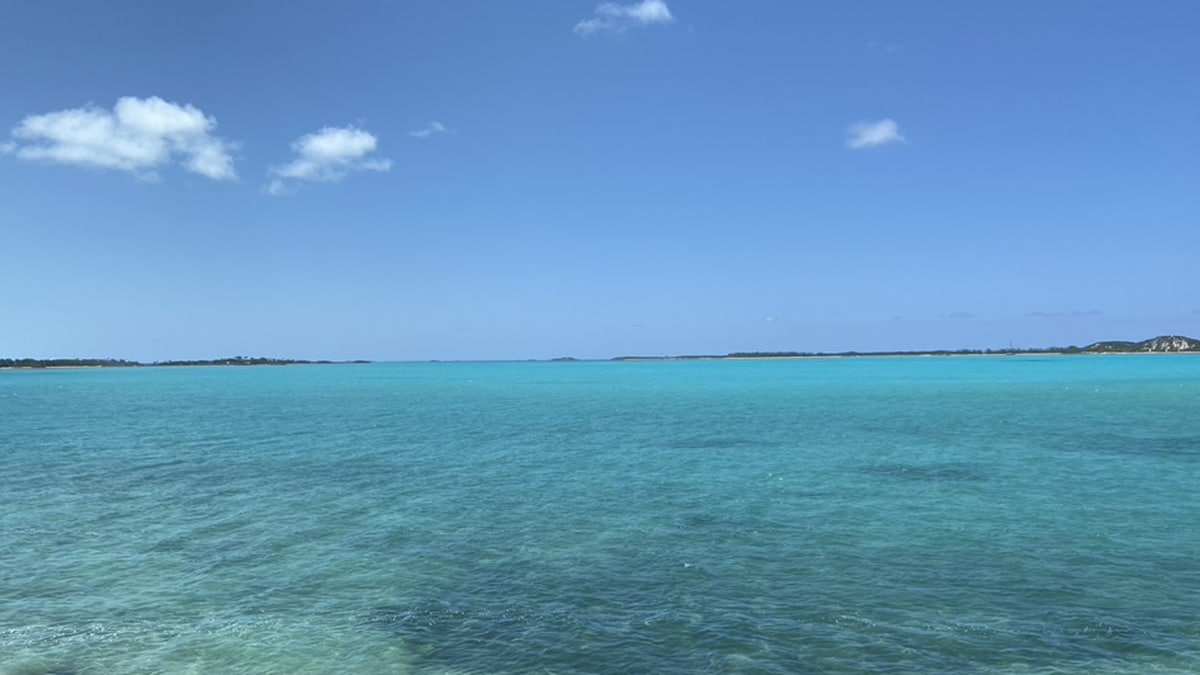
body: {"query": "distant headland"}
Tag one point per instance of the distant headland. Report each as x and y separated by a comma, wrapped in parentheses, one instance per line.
(1163, 344)
(121, 363)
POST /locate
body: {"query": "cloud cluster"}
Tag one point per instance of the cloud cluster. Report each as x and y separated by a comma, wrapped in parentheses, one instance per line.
(866, 135)
(138, 135)
(327, 156)
(613, 18)
(429, 130)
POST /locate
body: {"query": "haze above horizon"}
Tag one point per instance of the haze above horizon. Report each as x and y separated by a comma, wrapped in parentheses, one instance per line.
(453, 180)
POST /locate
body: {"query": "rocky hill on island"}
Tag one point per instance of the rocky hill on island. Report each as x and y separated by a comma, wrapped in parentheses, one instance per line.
(1162, 343)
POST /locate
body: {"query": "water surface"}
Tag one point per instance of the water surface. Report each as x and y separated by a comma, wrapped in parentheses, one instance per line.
(975, 514)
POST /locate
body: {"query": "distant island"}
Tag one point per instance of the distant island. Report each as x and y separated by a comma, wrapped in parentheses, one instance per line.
(121, 363)
(1163, 344)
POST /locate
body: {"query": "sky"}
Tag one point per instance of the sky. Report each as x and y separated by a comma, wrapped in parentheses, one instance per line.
(545, 178)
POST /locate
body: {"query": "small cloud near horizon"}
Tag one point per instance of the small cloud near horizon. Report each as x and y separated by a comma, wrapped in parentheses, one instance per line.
(138, 135)
(429, 130)
(611, 17)
(866, 135)
(1061, 314)
(327, 156)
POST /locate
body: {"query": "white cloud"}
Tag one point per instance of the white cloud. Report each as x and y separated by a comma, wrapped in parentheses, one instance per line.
(614, 18)
(138, 135)
(429, 130)
(327, 156)
(865, 135)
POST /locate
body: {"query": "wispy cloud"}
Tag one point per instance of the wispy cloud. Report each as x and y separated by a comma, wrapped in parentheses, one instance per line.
(1059, 314)
(866, 135)
(138, 135)
(611, 17)
(429, 130)
(327, 156)
(961, 315)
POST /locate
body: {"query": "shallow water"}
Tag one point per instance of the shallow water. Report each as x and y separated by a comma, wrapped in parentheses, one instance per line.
(1011, 514)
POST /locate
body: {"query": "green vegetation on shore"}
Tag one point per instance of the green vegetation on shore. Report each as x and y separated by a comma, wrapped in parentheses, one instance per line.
(121, 363)
(1163, 344)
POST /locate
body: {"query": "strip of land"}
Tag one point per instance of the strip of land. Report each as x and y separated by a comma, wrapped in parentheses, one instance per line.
(1163, 344)
(121, 363)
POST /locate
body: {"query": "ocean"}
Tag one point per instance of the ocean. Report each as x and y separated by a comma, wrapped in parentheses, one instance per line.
(1023, 514)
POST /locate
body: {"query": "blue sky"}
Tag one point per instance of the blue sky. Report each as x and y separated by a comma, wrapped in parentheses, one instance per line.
(468, 180)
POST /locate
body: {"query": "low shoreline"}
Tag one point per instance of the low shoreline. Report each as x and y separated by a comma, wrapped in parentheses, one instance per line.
(1163, 344)
(239, 361)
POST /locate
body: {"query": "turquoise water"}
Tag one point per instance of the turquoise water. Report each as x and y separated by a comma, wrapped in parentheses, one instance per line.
(1007, 514)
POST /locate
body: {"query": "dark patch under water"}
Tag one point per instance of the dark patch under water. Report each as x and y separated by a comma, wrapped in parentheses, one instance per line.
(713, 443)
(551, 638)
(1178, 448)
(954, 471)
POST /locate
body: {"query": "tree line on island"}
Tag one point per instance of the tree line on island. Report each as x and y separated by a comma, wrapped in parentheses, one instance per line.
(1163, 344)
(122, 363)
